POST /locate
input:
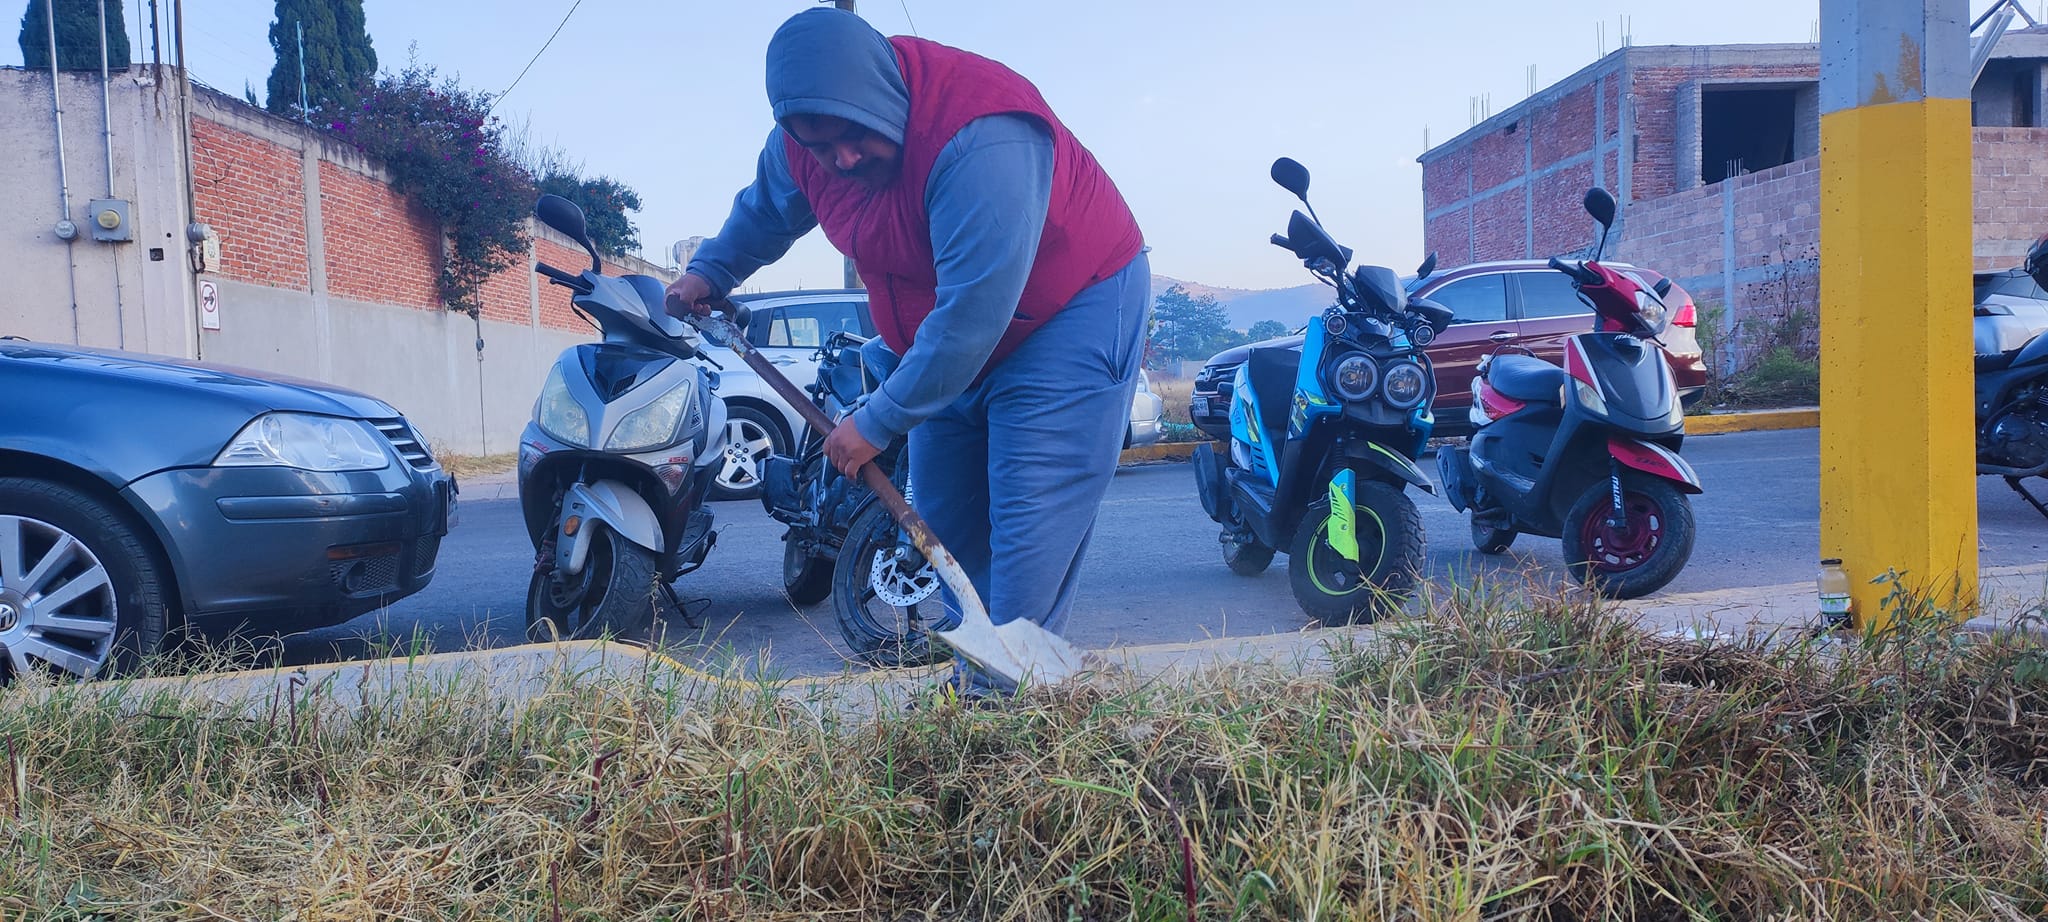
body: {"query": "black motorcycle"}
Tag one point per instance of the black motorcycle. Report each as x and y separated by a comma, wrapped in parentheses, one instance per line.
(2012, 392)
(841, 542)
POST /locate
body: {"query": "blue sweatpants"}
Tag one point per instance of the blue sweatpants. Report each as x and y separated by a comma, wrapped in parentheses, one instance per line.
(1011, 474)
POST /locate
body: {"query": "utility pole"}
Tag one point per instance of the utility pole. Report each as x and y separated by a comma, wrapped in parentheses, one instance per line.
(852, 276)
(1898, 487)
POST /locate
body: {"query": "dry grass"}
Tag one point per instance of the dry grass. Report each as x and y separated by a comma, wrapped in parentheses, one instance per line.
(1174, 392)
(463, 466)
(1541, 762)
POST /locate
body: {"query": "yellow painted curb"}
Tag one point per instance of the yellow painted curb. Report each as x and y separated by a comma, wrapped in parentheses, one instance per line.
(1756, 421)
(1169, 451)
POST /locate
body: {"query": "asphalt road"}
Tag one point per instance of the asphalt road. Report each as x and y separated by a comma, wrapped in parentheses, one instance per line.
(1154, 572)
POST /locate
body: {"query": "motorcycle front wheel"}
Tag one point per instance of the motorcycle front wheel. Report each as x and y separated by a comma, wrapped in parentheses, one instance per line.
(1645, 553)
(1336, 590)
(886, 606)
(614, 595)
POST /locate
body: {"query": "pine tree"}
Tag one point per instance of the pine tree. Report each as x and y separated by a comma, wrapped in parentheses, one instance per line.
(339, 59)
(77, 22)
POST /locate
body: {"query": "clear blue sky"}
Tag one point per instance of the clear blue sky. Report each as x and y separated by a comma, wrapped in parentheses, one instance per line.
(1185, 103)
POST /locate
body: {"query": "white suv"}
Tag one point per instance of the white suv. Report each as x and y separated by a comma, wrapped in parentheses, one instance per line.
(788, 327)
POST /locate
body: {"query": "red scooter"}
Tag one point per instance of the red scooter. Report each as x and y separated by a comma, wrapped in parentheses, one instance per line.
(1587, 452)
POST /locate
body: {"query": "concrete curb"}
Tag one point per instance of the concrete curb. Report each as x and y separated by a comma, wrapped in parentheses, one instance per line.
(1753, 421)
(1164, 451)
(521, 673)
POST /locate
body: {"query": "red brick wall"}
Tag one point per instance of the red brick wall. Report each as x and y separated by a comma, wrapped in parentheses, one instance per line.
(2010, 192)
(1449, 236)
(507, 296)
(1447, 179)
(1563, 129)
(1499, 230)
(1498, 227)
(381, 247)
(1561, 223)
(1656, 116)
(252, 193)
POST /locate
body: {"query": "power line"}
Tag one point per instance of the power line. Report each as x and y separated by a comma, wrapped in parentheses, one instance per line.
(536, 56)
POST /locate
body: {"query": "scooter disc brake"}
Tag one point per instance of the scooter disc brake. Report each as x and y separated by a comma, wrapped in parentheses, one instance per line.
(896, 585)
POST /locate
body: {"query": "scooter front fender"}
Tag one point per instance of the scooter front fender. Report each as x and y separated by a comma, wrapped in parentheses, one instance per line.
(616, 505)
(1393, 462)
(1657, 461)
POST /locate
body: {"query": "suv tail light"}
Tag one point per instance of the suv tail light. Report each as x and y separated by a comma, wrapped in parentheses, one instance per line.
(1686, 316)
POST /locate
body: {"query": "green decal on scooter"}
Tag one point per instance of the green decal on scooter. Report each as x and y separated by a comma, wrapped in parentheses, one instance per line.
(1343, 532)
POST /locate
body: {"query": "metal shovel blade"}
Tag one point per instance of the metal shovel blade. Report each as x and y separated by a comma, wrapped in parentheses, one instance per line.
(1015, 651)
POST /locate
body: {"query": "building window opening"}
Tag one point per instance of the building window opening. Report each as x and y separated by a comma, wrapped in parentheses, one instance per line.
(1744, 130)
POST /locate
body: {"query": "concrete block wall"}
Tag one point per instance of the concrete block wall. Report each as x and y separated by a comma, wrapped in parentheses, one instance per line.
(2010, 192)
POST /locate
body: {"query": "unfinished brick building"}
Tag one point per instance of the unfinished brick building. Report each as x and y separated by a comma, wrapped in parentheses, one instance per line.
(1713, 152)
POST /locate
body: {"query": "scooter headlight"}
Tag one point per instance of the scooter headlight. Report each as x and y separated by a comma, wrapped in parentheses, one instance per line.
(1406, 385)
(1355, 376)
(651, 426)
(558, 413)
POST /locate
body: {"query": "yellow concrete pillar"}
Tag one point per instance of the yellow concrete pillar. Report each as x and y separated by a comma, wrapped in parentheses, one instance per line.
(1898, 479)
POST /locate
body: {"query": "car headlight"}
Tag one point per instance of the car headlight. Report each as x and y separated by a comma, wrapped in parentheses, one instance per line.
(651, 426)
(1355, 377)
(559, 414)
(1405, 385)
(306, 442)
(1589, 397)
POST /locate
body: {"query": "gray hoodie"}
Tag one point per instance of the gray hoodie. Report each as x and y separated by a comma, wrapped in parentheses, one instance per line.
(986, 201)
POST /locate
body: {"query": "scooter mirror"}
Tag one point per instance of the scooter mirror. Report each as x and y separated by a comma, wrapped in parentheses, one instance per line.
(1600, 205)
(1291, 176)
(563, 215)
(1428, 266)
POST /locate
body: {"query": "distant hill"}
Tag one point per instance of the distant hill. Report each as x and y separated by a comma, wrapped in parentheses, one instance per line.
(1290, 306)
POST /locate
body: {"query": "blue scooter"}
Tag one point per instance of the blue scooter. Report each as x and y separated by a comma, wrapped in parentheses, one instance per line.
(1324, 437)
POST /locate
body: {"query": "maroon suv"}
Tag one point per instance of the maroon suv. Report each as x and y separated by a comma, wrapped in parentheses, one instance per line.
(1520, 302)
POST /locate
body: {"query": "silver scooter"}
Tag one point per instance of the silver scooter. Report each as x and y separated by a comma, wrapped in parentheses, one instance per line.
(617, 463)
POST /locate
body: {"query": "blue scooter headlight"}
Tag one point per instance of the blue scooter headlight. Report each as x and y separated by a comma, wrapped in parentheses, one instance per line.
(1355, 376)
(1405, 385)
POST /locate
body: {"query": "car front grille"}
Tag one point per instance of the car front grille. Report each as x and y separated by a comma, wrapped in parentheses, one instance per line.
(407, 442)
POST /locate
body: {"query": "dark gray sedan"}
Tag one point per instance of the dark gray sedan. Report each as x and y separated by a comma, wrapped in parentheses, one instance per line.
(141, 495)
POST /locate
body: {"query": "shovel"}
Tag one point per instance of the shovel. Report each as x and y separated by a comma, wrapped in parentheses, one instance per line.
(1014, 651)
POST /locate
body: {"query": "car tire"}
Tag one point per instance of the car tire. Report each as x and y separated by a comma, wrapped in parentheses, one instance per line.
(61, 541)
(758, 435)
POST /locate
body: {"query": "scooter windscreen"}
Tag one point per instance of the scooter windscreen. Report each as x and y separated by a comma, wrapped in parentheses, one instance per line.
(1633, 385)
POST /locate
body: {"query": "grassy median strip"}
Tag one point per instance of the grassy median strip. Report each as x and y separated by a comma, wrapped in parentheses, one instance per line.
(1540, 760)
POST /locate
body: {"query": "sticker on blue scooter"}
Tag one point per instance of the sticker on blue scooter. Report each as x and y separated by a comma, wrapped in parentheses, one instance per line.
(1343, 533)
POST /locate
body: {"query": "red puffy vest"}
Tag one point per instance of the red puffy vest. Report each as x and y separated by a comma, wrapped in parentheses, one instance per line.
(1089, 232)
